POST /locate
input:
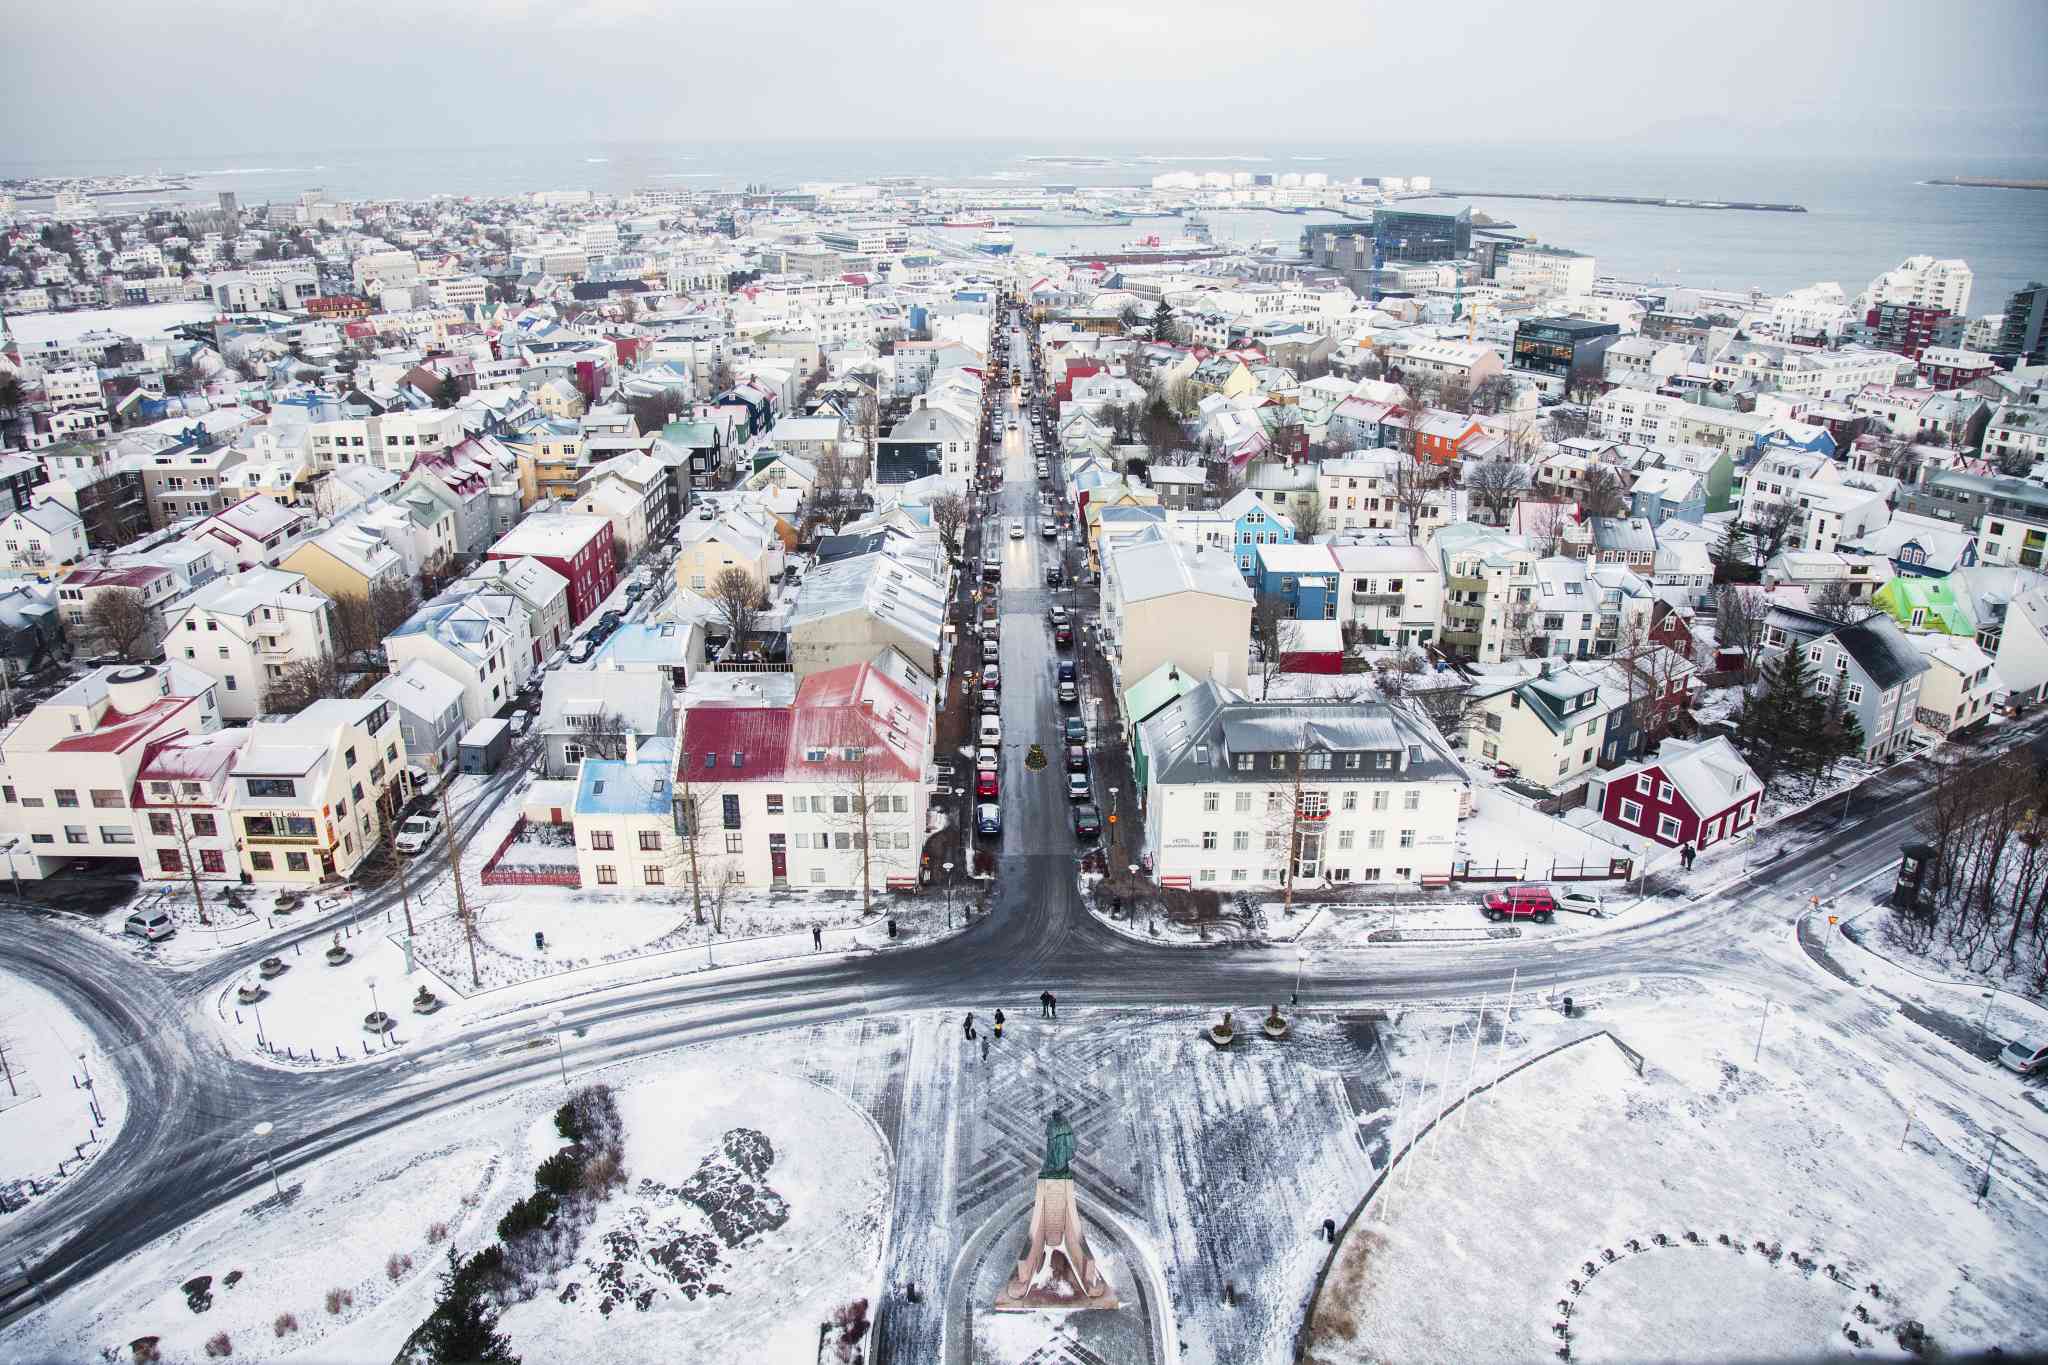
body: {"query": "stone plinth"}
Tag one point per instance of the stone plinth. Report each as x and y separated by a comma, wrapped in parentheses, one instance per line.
(1057, 1270)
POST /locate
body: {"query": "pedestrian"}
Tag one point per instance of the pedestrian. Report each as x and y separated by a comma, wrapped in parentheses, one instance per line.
(1686, 854)
(984, 1047)
(999, 1026)
(968, 1026)
(817, 937)
(1048, 1005)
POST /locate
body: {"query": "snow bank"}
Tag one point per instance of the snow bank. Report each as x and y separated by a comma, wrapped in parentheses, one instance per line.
(44, 1115)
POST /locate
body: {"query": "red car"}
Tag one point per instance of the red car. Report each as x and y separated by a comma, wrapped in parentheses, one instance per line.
(1063, 636)
(1520, 902)
(985, 784)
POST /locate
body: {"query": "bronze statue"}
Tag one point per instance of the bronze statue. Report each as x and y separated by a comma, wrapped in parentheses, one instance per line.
(1059, 1148)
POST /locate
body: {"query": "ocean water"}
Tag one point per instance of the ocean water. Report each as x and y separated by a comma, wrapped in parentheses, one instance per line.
(1864, 214)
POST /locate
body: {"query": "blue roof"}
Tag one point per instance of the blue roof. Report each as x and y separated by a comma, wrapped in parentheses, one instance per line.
(612, 786)
(663, 643)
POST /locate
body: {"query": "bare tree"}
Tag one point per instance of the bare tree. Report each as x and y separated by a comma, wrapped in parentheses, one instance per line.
(737, 597)
(1496, 484)
(1493, 394)
(833, 488)
(1604, 492)
(302, 682)
(1739, 617)
(1273, 633)
(1311, 517)
(1543, 526)
(1454, 395)
(1770, 528)
(123, 621)
(1568, 422)
(688, 803)
(1414, 485)
(949, 518)
(1835, 602)
(865, 811)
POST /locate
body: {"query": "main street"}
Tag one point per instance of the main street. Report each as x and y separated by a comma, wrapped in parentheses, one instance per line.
(187, 1147)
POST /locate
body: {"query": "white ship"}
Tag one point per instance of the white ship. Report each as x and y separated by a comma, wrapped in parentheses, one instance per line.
(996, 242)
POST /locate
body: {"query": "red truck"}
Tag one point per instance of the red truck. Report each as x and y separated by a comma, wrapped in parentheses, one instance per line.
(1520, 902)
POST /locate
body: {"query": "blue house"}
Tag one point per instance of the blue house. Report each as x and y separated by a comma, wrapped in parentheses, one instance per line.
(1662, 495)
(1305, 576)
(1254, 524)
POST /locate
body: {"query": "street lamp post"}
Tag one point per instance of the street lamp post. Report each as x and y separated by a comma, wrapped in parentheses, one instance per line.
(263, 1131)
(1111, 860)
(1984, 1024)
(554, 1022)
(949, 894)
(1300, 966)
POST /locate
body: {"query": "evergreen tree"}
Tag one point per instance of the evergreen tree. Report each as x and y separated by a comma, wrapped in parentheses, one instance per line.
(1781, 722)
(447, 393)
(1731, 556)
(464, 1328)
(1162, 322)
(1839, 736)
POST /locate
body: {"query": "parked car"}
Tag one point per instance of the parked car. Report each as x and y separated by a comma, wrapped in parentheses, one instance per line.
(1075, 729)
(1063, 636)
(1520, 902)
(1069, 693)
(991, 731)
(1067, 672)
(2025, 1056)
(991, 649)
(1058, 615)
(1048, 531)
(416, 833)
(153, 926)
(522, 721)
(992, 564)
(988, 819)
(1077, 787)
(1077, 758)
(1087, 820)
(1581, 902)
(985, 784)
(985, 756)
(992, 676)
(1053, 576)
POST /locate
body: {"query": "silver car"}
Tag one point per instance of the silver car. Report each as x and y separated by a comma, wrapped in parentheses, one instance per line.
(2025, 1056)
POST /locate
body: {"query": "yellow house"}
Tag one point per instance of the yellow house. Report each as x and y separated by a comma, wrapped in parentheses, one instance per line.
(1221, 374)
(550, 459)
(558, 398)
(346, 561)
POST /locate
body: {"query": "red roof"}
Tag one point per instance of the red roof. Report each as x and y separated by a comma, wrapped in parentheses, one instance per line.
(140, 576)
(854, 706)
(117, 731)
(759, 732)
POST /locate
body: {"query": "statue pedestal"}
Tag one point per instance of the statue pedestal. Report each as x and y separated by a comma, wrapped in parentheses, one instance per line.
(1057, 1270)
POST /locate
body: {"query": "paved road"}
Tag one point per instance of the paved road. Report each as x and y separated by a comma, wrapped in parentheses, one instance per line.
(185, 1147)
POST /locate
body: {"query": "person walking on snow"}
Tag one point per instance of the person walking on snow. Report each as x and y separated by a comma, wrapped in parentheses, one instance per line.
(817, 937)
(968, 1026)
(984, 1047)
(999, 1026)
(1048, 1005)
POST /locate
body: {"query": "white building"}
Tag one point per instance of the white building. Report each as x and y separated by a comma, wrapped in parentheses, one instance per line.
(315, 792)
(1241, 794)
(1924, 282)
(246, 631)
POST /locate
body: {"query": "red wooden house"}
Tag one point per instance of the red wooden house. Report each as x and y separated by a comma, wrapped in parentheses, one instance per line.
(1698, 794)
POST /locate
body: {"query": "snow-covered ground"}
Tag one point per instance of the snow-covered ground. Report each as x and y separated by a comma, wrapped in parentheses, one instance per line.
(1826, 1147)
(1508, 833)
(343, 1220)
(710, 1294)
(45, 1118)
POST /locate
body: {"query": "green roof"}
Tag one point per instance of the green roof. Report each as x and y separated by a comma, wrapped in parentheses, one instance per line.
(1942, 612)
(1155, 690)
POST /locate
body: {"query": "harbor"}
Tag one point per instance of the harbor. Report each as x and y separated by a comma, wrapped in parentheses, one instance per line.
(1644, 201)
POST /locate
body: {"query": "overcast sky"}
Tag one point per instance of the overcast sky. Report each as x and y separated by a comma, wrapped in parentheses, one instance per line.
(122, 80)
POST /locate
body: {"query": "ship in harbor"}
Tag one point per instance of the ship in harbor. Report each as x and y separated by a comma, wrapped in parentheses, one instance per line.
(1068, 220)
(968, 223)
(996, 242)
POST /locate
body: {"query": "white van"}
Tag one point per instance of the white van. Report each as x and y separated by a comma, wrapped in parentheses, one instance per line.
(991, 729)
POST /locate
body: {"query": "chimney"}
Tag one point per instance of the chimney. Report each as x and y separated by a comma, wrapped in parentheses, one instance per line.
(632, 746)
(1545, 671)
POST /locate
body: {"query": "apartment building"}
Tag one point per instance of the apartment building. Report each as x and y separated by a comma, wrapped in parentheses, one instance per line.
(1239, 794)
(315, 792)
(392, 440)
(480, 640)
(246, 631)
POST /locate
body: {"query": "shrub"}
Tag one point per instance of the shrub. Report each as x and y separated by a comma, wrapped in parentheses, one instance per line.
(285, 1325)
(218, 1345)
(437, 1233)
(397, 1266)
(562, 1172)
(603, 1173)
(338, 1299)
(567, 1122)
(528, 1215)
(144, 1350)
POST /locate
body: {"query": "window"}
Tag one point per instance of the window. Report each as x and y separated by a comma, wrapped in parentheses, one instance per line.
(735, 843)
(204, 826)
(1643, 783)
(1663, 791)
(1407, 838)
(1375, 838)
(262, 862)
(731, 804)
(1208, 839)
(1241, 841)
(774, 803)
(1345, 838)
(1379, 800)
(1319, 761)
(160, 824)
(607, 875)
(297, 862)
(1211, 801)
(67, 797)
(601, 840)
(1631, 813)
(103, 799)
(212, 860)
(1278, 762)
(651, 874)
(1244, 763)
(167, 860)
(1208, 874)
(1853, 693)
(1667, 827)
(271, 786)
(1243, 804)
(1411, 800)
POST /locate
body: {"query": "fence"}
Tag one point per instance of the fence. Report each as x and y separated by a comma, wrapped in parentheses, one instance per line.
(553, 875)
(1611, 869)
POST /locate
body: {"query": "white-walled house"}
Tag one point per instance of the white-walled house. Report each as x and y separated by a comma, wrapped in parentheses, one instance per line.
(245, 632)
(42, 539)
(479, 640)
(315, 792)
(1240, 794)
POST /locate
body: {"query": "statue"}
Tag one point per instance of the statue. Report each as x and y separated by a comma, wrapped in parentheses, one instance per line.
(1058, 1270)
(1059, 1148)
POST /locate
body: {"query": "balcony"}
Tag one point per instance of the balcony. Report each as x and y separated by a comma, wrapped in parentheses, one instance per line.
(1361, 598)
